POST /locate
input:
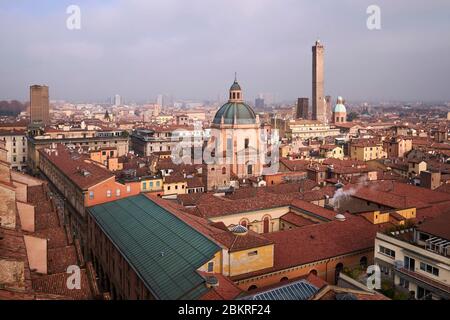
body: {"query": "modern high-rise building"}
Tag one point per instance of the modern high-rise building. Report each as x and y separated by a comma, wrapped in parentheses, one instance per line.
(39, 105)
(259, 103)
(318, 99)
(302, 108)
(117, 100)
(160, 100)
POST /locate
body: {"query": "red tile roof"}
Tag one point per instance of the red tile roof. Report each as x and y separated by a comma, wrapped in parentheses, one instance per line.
(439, 226)
(296, 219)
(312, 208)
(226, 290)
(78, 168)
(321, 241)
(241, 242)
(60, 258)
(56, 284)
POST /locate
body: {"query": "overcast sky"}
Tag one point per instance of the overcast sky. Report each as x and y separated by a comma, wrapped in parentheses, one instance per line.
(191, 48)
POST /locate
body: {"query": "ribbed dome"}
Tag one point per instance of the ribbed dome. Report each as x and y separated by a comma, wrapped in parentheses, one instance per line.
(239, 230)
(235, 113)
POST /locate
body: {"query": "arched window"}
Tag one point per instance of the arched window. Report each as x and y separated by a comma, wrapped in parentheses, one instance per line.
(313, 271)
(244, 223)
(224, 170)
(284, 279)
(252, 287)
(266, 223)
(338, 270)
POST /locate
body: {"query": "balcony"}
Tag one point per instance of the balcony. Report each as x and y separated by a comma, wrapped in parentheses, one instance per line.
(439, 288)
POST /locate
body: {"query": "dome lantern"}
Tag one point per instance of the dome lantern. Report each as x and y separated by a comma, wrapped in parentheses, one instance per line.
(235, 111)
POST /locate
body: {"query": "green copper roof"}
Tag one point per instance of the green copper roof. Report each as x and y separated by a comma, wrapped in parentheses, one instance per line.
(163, 250)
(244, 114)
(339, 108)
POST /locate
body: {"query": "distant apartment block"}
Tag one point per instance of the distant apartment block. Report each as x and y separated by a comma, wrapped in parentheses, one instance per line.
(89, 138)
(16, 146)
(39, 105)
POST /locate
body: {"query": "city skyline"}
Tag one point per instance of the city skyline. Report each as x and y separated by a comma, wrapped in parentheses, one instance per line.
(191, 53)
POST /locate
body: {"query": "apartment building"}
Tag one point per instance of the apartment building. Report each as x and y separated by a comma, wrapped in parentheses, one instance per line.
(16, 144)
(417, 260)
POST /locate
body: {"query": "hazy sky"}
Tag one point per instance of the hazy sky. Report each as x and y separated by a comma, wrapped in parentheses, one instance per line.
(191, 48)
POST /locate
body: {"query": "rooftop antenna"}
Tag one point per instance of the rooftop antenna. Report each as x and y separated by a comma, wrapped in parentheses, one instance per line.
(235, 77)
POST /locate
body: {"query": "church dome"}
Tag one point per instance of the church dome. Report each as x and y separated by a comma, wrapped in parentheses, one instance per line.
(340, 107)
(235, 111)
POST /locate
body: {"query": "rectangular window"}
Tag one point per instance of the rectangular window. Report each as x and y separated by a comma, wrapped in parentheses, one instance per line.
(409, 263)
(210, 266)
(247, 142)
(91, 195)
(151, 184)
(429, 268)
(386, 251)
(384, 269)
(144, 185)
(128, 189)
(118, 193)
(158, 183)
(253, 253)
(404, 283)
(108, 193)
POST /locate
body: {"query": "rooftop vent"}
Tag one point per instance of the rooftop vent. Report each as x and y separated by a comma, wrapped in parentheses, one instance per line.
(340, 217)
(212, 282)
(239, 230)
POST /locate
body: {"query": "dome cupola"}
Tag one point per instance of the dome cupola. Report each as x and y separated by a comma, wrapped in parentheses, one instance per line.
(340, 107)
(235, 111)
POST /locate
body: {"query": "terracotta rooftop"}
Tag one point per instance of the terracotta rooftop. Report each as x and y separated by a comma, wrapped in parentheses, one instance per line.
(216, 207)
(60, 258)
(307, 207)
(321, 241)
(56, 284)
(398, 195)
(226, 290)
(296, 219)
(295, 165)
(76, 167)
(439, 226)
